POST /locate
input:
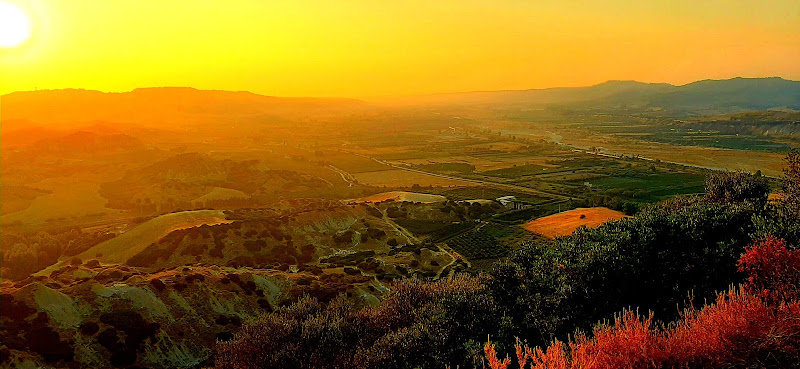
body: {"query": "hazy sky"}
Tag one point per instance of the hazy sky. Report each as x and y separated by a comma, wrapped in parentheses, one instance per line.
(385, 47)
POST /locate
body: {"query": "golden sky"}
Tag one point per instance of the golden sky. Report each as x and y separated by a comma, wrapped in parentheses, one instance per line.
(361, 48)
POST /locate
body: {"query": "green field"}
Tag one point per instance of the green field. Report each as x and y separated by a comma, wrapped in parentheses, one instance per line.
(696, 134)
(650, 188)
(478, 244)
(351, 163)
(446, 167)
(518, 171)
(534, 212)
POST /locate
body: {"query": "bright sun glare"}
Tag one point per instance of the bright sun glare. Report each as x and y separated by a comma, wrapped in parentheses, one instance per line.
(14, 25)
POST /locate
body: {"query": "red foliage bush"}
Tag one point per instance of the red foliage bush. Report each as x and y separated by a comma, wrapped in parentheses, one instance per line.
(491, 357)
(739, 330)
(773, 270)
(755, 326)
(630, 343)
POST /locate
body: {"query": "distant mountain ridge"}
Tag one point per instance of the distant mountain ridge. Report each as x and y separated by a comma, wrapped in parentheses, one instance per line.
(732, 94)
(184, 105)
(701, 97)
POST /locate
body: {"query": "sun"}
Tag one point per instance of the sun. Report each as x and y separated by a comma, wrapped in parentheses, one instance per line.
(14, 25)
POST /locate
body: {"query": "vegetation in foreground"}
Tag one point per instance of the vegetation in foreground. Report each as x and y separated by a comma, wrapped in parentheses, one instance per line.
(549, 291)
(754, 326)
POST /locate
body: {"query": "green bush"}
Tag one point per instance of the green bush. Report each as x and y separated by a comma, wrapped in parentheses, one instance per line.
(732, 187)
(418, 325)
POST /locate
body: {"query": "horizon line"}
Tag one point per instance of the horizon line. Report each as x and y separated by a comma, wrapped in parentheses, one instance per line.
(378, 97)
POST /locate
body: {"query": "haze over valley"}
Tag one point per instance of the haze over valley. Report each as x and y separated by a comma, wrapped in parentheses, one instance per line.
(297, 185)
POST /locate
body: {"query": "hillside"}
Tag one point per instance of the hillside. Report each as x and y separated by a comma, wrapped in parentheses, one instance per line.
(92, 315)
(185, 180)
(130, 243)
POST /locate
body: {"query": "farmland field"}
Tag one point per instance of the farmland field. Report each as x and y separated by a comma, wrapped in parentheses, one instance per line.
(565, 223)
(650, 188)
(478, 245)
(352, 163)
(402, 178)
(516, 171)
(694, 135)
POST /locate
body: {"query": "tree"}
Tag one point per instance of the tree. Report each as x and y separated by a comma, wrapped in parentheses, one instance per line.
(736, 187)
(791, 181)
(783, 217)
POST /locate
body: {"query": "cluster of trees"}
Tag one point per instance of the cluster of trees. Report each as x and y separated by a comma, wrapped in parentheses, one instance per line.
(419, 324)
(550, 290)
(22, 255)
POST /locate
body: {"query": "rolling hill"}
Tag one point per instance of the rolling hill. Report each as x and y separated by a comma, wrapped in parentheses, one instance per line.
(155, 107)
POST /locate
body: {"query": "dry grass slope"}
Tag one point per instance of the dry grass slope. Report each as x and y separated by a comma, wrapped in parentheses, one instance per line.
(132, 242)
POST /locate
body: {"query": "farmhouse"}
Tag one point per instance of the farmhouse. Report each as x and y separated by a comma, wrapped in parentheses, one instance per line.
(510, 202)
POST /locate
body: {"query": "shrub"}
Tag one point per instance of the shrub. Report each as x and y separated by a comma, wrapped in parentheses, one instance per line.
(773, 270)
(744, 328)
(733, 187)
(791, 181)
(419, 324)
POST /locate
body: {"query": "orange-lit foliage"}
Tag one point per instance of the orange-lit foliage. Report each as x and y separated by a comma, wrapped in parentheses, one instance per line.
(738, 330)
(491, 357)
(757, 325)
(773, 270)
(630, 343)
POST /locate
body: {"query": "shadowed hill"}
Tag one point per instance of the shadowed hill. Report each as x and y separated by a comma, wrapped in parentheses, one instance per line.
(541, 97)
(737, 94)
